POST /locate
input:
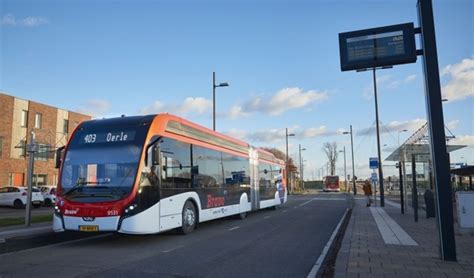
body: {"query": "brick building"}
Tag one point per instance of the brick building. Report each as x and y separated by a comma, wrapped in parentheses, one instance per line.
(52, 127)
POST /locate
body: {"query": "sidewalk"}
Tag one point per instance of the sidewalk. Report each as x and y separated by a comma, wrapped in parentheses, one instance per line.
(21, 230)
(377, 243)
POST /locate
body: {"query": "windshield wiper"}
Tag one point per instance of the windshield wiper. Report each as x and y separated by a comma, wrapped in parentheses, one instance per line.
(80, 183)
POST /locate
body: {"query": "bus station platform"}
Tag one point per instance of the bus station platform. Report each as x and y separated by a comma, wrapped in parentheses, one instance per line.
(382, 242)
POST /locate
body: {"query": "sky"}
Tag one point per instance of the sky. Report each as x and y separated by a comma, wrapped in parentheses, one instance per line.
(281, 59)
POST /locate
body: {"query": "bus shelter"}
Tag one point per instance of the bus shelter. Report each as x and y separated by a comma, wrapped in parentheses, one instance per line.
(414, 161)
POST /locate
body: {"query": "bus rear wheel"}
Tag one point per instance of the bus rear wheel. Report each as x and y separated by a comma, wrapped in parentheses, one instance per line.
(188, 218)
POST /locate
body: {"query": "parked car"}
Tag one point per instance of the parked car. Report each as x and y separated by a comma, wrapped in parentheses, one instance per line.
(49, 194)
(16, 196)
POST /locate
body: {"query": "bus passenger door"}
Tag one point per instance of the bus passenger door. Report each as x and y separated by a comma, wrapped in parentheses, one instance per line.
(254, 189)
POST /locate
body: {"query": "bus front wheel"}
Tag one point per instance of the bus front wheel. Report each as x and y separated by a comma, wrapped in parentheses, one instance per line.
(189, 218)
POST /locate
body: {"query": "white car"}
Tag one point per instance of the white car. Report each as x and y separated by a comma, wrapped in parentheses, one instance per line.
(16, 197)
(49, 194)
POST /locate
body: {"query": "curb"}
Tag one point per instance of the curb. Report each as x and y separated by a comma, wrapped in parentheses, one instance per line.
(342, 259)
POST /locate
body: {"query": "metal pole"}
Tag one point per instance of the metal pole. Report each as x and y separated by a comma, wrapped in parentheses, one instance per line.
(382, 197)
(286, 165)
(301, 172)
(353, 166)
(214, 101)
(414, 191)
(437, 135)
(345, 170)
(31, 163)
(400, 174)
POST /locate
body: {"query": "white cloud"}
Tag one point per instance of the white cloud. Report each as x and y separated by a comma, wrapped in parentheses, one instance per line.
(461, 83)
(410, 78)
(395, 126)
(237, 112)
(191, 106)
(463, 140)
(154, 108)
(30, 21)
(196, 106)
(95, 107)
(267, 136)
(237, 133)
(282, 101)
(315, 132)
(452, 124)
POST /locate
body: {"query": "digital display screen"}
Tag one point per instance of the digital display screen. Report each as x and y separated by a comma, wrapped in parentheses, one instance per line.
(376, 47)
(111, 137)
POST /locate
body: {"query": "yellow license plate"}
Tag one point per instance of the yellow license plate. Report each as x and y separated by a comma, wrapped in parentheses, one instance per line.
(89, 228)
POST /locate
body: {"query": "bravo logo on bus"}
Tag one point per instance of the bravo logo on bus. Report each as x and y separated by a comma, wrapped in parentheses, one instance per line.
(215, 201)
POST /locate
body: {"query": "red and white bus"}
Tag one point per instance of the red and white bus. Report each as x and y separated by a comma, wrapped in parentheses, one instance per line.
(331, 183)
(148, 174)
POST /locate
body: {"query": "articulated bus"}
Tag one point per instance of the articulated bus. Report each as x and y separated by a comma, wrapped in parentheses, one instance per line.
(148, 174)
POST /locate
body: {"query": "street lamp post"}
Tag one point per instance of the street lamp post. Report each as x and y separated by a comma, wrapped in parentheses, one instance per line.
(345, 168)
(214, 86)
(286, 164)
(353, 166)
(301, 165)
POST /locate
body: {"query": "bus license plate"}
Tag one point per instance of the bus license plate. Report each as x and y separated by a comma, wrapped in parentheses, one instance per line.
(89, 228)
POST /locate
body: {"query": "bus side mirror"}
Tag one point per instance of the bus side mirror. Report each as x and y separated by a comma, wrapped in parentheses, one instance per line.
(265, 171)
(59, 157)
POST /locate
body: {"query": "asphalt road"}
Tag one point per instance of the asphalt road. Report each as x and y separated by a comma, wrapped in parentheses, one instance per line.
(282, 243)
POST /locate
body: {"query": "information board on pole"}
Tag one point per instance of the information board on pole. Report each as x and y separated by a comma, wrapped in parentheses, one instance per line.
(373, 162)
(377, 47)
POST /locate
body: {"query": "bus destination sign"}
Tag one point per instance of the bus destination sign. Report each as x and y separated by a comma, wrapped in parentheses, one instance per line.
(108, 137)
(376, 47)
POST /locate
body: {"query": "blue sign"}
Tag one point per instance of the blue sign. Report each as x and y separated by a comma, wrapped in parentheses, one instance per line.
(373, 162)
(374, 177)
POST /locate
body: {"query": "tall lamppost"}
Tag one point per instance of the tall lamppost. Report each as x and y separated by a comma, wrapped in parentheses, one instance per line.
(345, 168)
(286, 162)
(353, 166)
(214, 86)
(301, 165)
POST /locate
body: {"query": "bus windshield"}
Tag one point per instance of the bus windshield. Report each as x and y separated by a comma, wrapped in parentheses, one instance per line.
(100, 165)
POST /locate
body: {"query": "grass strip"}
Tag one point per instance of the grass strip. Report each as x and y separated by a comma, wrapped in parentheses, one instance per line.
(21, 220)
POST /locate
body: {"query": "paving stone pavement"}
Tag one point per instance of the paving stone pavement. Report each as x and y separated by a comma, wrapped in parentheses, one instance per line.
(364, 253)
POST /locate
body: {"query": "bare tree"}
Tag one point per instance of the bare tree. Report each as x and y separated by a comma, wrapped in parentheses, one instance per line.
(331, 152)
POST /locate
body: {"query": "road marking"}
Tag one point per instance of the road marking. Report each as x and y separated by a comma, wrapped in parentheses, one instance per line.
(266, 217)
(284, 211)
(306, 202)
(234, 228)
(172, 249)
(324, 253)
(329, 199)
(391, 232)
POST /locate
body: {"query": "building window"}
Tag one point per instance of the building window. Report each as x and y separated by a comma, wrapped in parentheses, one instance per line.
(24, 118)
(65, 126)
(40, 179)
(1, 146)
(38, 120)
(22, 148)
(43, 152)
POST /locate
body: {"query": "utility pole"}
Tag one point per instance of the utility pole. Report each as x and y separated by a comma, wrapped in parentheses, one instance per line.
(382, 197)
(31, 149)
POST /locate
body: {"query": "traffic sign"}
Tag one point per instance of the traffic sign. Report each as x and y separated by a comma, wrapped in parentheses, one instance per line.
(374, 177)
(373, 162)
